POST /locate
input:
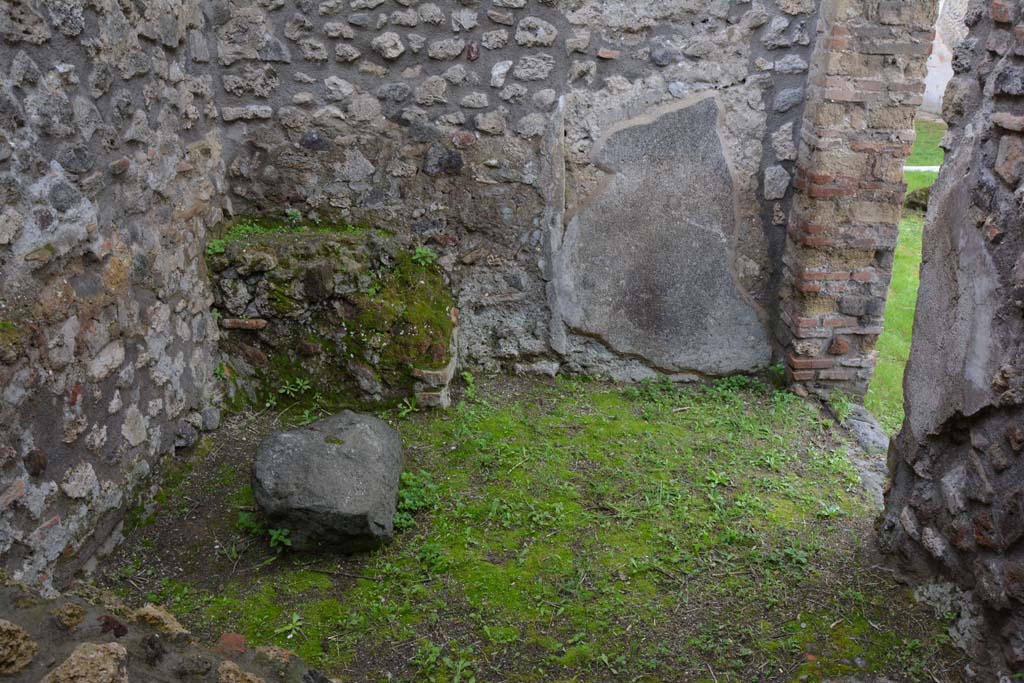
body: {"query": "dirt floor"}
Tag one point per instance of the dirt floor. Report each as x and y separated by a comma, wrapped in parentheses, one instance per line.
(560, 531)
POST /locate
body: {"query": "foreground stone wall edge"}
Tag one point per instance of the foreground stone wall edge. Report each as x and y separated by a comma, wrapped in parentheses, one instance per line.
(95, 638)
(110, 176)
(955, 510)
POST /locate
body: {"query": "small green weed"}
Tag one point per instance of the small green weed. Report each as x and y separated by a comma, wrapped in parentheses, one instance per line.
(470, 382)
(417, 493)
(280, 539)
(424, 256)
(249, 523)
(841, 404)
(294, 387)
(292, 628)
(407, 406)
(221, 371)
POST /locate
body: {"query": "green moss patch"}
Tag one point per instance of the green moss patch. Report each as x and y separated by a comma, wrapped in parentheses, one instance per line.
(575, 531)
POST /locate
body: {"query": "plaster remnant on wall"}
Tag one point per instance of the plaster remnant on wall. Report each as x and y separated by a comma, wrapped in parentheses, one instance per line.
(647, 269)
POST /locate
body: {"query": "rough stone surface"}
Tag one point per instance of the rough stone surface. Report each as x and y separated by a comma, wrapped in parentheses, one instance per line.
(955, 510)
(111, 171)
(93, 662)
(348, 310)
(333, 483)
(16, 648)
(649, 271)
(99, 640)
(866, 429)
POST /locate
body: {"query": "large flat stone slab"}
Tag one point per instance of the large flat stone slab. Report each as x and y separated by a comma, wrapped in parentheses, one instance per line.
(646, 263)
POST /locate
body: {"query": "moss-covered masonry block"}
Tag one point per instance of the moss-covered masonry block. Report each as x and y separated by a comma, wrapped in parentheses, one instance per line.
(330, 315)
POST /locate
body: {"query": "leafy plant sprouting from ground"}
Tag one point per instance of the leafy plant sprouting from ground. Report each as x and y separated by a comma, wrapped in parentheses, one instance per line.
(294, 387)
(249, 523)
(470, 382)
(417, 493)
(423, 256)
(842, 405)
(407, 406)
(292, 628)
(280, 539)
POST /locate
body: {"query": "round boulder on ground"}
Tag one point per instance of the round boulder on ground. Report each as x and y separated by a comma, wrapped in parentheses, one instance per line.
(333, 483)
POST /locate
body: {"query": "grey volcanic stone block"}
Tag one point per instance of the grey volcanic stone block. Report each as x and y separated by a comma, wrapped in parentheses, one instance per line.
(332, 483)
(645, 264)
(865, 428)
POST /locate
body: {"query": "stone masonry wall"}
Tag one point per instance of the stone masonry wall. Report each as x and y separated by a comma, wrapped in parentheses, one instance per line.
(859, 128)
(956, 506)
(110, 173)
(607, 184)
(474, 127)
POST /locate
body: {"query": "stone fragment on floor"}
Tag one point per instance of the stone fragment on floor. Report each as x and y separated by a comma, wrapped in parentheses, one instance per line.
(333, 483)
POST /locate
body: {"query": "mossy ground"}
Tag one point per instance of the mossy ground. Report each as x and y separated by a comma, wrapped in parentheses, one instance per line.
(885, 397)
(926, 150)
(564, 531)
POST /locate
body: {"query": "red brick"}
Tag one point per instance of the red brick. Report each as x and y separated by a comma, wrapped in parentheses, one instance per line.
(831, 191)
(844, 321)
(798, 363)
(837, 275)
(808, 287)
(819, 178)
(231, 644)
(860, 330)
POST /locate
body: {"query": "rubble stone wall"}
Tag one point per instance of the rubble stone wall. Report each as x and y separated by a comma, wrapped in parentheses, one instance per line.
(956, 507)
(476, 127)
(507, 135)
(110, 174)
